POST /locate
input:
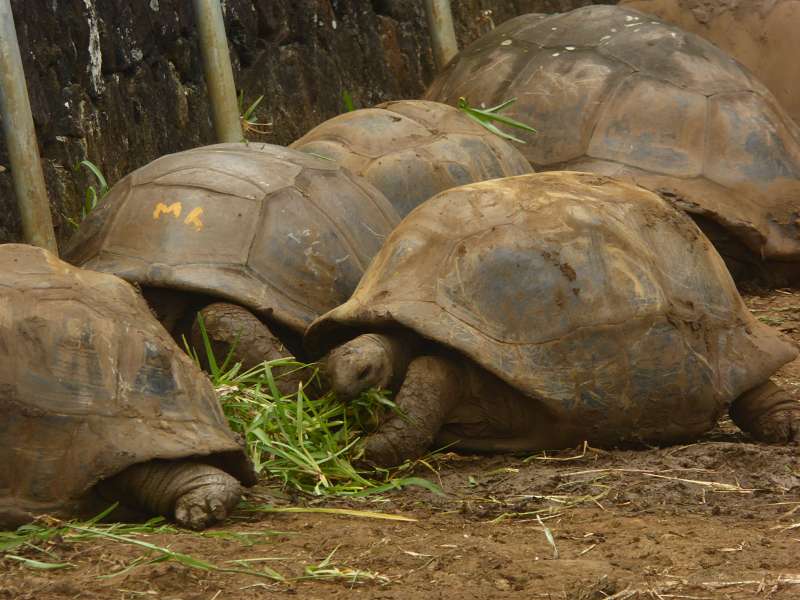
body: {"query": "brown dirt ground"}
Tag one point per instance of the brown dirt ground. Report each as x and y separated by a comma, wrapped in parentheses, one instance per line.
(716, 519)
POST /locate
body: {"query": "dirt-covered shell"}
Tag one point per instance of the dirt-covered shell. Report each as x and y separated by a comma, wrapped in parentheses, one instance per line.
(760, 34)
(412, 149)
(279, 231)
(594, 297)
(616, 92)
(90, 384)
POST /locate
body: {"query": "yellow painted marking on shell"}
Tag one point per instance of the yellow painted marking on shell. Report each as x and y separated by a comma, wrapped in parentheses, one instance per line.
(193, 218)
(162, 209)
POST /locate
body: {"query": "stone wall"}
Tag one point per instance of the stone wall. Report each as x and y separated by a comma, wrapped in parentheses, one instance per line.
(119, 82)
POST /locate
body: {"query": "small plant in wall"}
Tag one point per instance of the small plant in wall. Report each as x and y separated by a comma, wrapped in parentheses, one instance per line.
(248, 117)
(94, 192)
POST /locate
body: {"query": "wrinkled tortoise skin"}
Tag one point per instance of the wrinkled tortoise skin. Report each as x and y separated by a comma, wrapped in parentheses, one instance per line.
(616, 92)
(596, 299)
(90, 384)
(413, 149)
(280, 232)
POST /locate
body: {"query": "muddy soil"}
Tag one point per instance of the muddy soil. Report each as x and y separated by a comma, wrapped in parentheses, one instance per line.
(719, 518)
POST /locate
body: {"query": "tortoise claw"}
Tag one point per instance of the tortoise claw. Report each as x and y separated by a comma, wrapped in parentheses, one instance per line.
(379, 451)
(781, 426)
(768, 413)
(206, 505)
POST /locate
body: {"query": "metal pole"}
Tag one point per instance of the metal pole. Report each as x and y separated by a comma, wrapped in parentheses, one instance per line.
(218, 71)
(20, 135)
(443, 35)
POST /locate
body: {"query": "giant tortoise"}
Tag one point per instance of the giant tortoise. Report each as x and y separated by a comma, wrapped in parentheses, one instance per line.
(760, 34)
(100, 405)
(615, 92)
(539, 311)
(260, 239)
(413, 149)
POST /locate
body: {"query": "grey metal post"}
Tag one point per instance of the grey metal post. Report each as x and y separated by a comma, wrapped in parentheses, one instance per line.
(443, 35)
(218, 71)
(20, 135)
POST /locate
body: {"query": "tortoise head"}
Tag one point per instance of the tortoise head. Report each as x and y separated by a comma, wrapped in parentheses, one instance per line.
(360, 364)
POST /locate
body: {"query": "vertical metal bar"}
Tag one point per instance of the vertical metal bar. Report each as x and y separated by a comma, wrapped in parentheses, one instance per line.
(218, 71)
(443, 34)
(20, 136)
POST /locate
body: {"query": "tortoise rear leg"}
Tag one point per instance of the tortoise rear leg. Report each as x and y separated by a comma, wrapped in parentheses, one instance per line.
(195, 494)
(768, 413)
(233, 329)
(428, 394)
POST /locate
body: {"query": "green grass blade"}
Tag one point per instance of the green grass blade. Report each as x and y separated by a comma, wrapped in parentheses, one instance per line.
(98, 174)
(248, 114)
(485, 117)
(184, 559)
(212, 360)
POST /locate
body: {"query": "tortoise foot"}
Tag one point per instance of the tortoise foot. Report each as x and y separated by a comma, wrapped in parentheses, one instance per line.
(196, 494)
(780, 426)
(428, 394)
(209, 503)
(769, 414)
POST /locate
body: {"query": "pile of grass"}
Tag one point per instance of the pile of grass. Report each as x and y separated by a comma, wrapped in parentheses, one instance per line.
(311, 443)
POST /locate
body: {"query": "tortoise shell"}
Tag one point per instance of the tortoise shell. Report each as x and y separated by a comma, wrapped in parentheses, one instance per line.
(276, 230)
(412, 149)
(760, 34)
(615, 92)
(90, 384)
(593, 297)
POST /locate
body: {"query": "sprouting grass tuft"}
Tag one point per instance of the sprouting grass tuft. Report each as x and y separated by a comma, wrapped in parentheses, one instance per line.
(93, 194)
(248, 117)
(347, 99)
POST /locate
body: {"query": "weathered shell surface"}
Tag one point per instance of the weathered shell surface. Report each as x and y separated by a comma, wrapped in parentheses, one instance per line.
(615, 92)
(593, 297)
(90, 384)
(413, 149)
(760, 34)
(279, 231)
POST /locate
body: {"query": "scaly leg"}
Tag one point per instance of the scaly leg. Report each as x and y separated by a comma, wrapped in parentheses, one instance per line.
(233, 328)
(429, 392)
(768, 413)
(196, 494)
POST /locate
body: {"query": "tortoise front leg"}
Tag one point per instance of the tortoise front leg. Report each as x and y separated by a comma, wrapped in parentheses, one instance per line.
(768, 413)
(428, 394)
(196, 494)
(233, 329)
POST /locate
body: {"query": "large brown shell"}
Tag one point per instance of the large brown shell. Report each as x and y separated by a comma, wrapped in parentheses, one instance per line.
(593, 297)
(279, 231)
(760, 34)
(413, 149)
(90, 384)
(614, 91)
